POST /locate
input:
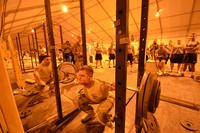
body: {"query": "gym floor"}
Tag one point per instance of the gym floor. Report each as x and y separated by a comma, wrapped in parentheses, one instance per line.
(169, 116)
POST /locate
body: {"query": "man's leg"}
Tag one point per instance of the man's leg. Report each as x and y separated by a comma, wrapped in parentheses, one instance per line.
(103, 112)
(84, 105)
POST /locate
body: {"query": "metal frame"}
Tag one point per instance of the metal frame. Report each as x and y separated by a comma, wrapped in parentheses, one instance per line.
(82, 15)
(53, 57)
(122, 8)
(143, 35)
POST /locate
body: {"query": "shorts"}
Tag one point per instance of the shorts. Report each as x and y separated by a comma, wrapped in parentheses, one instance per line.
(177, 58)
(111, 56)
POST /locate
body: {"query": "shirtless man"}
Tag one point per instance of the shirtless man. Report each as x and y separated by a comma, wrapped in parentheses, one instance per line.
(98, 55)
(111, 54)
(190, 58)
(177, 56)
(160, 56)
(94, 92)
(130, 55)
(43, 72)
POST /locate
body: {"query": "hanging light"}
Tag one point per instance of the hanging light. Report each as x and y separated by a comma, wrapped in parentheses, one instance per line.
(64, 8)
(88, 31)
(32, 30)
(157, 14)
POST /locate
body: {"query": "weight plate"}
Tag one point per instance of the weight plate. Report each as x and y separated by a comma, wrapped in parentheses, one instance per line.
(151, 124)
(67, 72)
(147, 93)
(189, 125)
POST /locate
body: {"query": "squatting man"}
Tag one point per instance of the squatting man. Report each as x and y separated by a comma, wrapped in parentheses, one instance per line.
(43, 72)
(94, 92)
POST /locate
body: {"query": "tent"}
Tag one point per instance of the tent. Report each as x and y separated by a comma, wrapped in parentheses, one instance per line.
(167, 19)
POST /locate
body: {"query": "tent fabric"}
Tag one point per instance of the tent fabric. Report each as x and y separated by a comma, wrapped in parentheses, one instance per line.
(178, 19)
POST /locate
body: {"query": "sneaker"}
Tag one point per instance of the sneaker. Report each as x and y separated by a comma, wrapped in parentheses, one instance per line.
(87, 118)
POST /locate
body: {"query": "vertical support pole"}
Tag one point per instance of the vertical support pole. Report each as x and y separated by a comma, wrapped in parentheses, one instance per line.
(45, 38)
(17, 42)
(36, 43)
(34, 48)
(121, 67)
(53, 57)
(61, 40)
(61, 35)
(143, 35)
(29, 45)
(82, 14)
(21, 54)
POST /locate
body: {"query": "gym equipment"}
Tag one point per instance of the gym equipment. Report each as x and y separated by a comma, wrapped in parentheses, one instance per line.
(67, 72)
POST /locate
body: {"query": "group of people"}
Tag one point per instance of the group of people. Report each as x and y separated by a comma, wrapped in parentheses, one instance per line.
(72, 54)
(112, 55)
(92, 92)
(184, 56)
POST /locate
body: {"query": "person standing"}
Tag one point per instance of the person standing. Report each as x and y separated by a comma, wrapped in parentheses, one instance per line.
(78, 52)
(68, 54)
(160, 57)
(177, 56)
(190, 58)
(98, 55)
(111, 54)
(153, 47)
(130, 52)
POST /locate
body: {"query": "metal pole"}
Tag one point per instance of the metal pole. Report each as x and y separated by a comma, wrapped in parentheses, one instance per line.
(21, 54)
(122, 41)
(143, 35)
(29, 45)
(61, 35)
(83, 32)
(180, 102)
(61, 39)
(36, 43)
(45, 38)
(34, 49)
(53, 57)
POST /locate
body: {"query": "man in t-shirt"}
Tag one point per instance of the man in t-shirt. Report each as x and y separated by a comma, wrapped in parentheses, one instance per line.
(43, 72)
(94, 92)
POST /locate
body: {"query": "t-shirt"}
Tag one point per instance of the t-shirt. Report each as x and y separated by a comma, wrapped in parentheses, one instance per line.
(98, 92)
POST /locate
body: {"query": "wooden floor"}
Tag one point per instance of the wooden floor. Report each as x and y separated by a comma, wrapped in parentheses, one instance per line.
(169, 115)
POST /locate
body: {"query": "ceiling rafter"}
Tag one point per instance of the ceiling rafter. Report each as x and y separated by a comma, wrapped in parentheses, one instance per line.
(36, 7)
(100, 26)
(160, 22)
(18, 5)
(190, 19)
(135, 22)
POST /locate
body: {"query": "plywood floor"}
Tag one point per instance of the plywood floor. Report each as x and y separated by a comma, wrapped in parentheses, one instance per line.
(168, 115)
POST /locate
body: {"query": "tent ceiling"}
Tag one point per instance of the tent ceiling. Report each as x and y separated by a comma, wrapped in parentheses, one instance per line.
(178, 18)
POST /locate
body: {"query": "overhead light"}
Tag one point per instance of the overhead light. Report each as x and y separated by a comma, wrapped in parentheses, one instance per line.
(32, 30)
(157, 14)
(72, 35)
(88, 31)
(64, 8)
(113, 25)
